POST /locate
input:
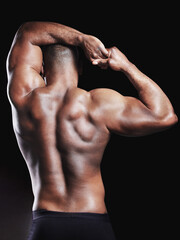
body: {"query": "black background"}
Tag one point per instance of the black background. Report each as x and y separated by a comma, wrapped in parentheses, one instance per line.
(141, 175)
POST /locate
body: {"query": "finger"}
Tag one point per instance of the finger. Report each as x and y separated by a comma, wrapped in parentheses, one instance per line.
(109, 52)
(103, 52)
(102, 63)
(98, 61)
(95, 62)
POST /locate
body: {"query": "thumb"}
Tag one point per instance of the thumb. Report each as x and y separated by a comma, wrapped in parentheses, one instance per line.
(96, 62)
(102, 63)
(99, 61)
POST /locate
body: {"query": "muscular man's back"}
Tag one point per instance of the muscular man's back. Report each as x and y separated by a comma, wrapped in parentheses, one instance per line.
(62, 130)
(63, 142)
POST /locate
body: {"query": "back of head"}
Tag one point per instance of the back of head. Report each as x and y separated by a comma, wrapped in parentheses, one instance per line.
(60, 57)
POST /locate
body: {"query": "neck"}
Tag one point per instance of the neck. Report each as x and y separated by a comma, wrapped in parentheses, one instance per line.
(62, 80)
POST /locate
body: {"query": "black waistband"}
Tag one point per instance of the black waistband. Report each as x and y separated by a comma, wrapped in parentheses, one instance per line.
(45, 213)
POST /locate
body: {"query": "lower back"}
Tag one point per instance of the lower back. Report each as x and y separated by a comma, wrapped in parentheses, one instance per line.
(80, 196)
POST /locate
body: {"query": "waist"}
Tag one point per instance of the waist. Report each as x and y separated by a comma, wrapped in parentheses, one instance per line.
(43, 213)
(87, 199)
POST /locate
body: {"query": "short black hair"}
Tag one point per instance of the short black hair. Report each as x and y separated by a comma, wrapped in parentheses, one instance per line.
(60, 54)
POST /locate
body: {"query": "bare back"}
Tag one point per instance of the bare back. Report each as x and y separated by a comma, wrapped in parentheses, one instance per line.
(62, 130)
(63, 144)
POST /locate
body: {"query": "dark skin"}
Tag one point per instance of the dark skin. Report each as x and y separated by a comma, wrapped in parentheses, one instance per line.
(62, 130)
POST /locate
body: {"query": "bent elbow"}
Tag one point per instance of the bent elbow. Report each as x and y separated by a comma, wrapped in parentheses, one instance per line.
(170, 120)
(174, 119)
(23, 30)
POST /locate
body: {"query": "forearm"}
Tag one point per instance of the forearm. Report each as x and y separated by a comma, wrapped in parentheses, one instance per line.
(149, 92)
(44, 33)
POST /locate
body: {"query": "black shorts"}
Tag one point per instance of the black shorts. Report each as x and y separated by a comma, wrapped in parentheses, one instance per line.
(50, 225)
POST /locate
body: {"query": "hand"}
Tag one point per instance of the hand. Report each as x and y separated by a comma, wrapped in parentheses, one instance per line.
(93, 48)
(117, 61)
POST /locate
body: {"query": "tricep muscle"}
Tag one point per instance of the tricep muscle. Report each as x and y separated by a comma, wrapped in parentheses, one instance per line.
(24, 64)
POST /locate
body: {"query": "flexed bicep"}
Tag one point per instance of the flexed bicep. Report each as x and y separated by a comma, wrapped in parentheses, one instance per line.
(129, 116)
(136, 119)
(126, 116)
(132, 118)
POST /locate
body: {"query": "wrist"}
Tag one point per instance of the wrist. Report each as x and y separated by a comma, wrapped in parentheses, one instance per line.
(128, 66)
(80, 39)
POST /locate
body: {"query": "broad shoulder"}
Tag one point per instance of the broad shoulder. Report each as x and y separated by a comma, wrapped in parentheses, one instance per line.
(105, 97)
(108, 105)
(99, 96)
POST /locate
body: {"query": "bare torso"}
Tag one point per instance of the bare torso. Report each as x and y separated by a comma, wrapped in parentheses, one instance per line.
(63, 143)
(62, 130)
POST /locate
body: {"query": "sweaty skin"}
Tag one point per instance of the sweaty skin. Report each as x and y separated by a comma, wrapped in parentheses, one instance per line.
(62, 130)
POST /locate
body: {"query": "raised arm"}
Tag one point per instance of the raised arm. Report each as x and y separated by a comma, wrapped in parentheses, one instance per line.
(130, 116)
(24, 63)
